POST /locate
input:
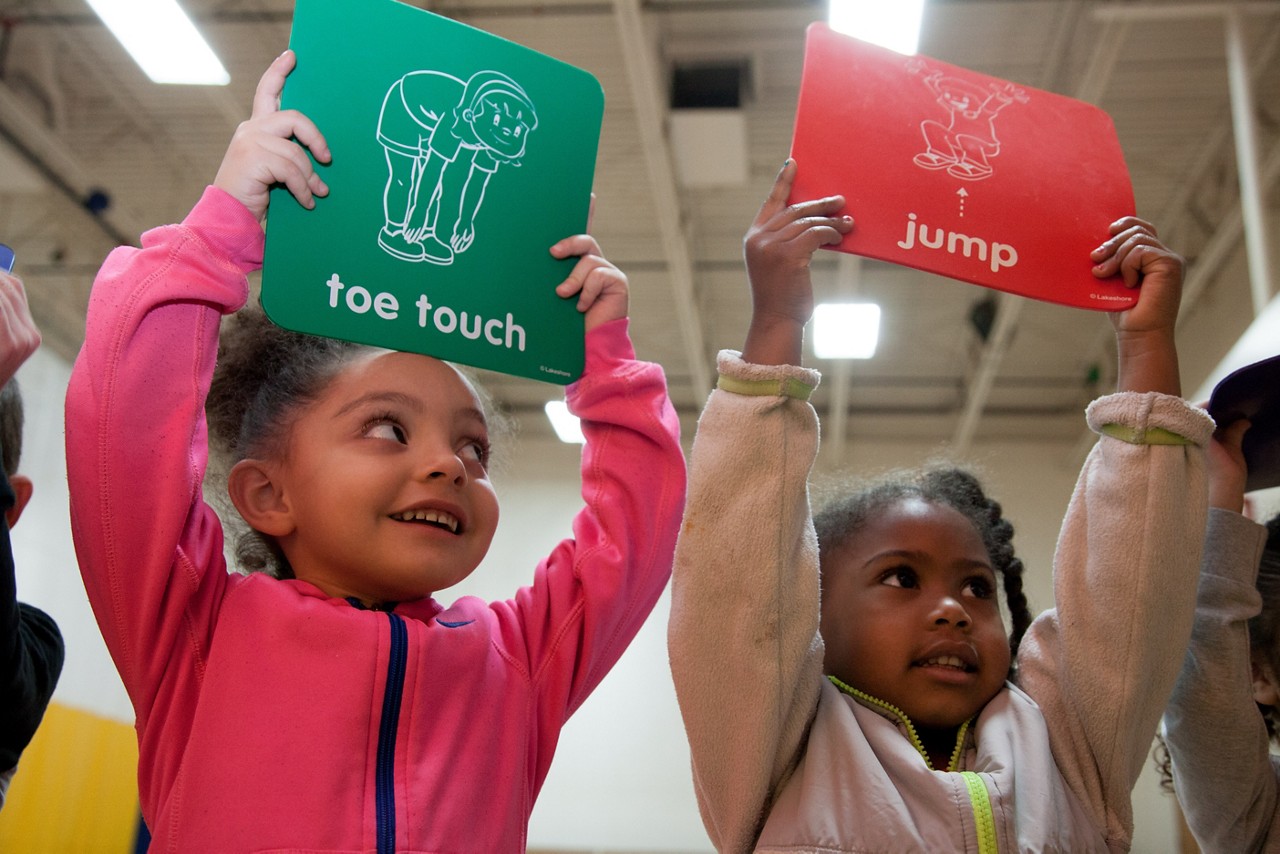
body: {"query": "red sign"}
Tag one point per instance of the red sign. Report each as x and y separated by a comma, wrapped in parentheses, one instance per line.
(961, 174)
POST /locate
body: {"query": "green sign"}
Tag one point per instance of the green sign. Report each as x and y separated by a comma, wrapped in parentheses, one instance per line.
(459, 158)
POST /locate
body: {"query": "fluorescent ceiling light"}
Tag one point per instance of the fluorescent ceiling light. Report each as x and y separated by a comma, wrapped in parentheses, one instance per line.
(1260, 341)
(566, 424)
(846, 330)
(162, 40)
(894, 24)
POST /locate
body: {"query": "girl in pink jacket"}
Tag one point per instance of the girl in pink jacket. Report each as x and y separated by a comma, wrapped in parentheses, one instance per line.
(330, 703)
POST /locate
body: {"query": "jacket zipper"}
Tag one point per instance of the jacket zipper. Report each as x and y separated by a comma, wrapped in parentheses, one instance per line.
(984, 819)
(384, 772)
(979, 801)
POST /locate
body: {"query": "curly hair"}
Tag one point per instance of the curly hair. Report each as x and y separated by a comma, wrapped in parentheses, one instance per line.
(841, 519)
(264, 376)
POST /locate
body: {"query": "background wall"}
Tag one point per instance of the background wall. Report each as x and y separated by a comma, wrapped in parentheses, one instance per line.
(621, 780)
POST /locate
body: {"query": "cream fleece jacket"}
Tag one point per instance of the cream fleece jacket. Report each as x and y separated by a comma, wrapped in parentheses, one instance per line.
(785, 762)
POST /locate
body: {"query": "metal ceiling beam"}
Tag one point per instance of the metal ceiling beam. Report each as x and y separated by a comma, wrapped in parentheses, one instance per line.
(1245, 130)
(1094, 82)
(1181, 11)
(651, 118)
(835, 427)
(62, 169)
(1213, 256)
(51, 157)
(1232, 225)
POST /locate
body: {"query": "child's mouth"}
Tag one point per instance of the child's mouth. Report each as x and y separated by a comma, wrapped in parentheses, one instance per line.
(435, 518)
(951, 661)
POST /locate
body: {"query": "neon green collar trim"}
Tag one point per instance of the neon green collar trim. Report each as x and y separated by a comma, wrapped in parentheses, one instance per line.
(952, 765)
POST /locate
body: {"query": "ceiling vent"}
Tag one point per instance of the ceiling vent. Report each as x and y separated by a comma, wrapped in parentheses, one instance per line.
(707, 124)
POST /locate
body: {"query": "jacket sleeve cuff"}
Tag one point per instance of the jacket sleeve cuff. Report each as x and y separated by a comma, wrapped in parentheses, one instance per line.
(739, 377)
(1149, 418)
(227, 228)
(607, 344)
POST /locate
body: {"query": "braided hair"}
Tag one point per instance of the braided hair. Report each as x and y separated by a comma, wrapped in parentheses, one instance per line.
(841, 519)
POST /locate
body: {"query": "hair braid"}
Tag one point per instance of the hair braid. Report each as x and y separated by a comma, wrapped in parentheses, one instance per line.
(1010, 567)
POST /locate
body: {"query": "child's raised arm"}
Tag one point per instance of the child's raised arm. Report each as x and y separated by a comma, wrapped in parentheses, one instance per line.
(1148, 360)
(263, 152)
(1099, 663)
(1224, 462)
(1217, 740)
(779, 248)
(136, 435)
(743, 635)
(19, 336)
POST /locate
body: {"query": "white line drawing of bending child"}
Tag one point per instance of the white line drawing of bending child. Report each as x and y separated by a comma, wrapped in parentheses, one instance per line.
(444, 139)
(964, 145)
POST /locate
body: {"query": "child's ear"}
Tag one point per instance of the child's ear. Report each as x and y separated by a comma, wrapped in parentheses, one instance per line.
(1265, 689)
(258, 498)
(22, 489)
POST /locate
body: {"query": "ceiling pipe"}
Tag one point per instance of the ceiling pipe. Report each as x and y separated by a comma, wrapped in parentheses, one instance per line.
(48, 155)
(1009, 308)
(1181, 11)
(835, 427)
(1245, 127)
(652, 120)
(1232, 226)
(993, 352)
(1214, 254)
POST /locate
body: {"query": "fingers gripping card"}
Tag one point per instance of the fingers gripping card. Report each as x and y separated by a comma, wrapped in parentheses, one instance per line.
(960, 174)
(458, 159)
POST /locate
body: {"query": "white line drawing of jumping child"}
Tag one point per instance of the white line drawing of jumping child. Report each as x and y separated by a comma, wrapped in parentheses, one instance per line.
(434, 127)
(965, 145)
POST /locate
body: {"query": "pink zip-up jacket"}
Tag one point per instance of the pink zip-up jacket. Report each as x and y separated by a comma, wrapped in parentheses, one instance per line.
(272, 717)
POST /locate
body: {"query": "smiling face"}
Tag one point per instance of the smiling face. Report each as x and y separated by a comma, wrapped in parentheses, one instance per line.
(384, 481)
(502, 122)
(910, 614)
(963, 97)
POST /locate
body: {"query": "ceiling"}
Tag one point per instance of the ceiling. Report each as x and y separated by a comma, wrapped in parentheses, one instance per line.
(77, 117)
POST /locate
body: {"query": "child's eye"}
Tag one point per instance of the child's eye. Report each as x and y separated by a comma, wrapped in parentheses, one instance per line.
(477, 451)
(980, 588)
(899, 576)
(385, 427)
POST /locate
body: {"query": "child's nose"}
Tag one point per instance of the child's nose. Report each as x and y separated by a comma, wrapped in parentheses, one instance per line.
(949, 610)
(443, 463)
